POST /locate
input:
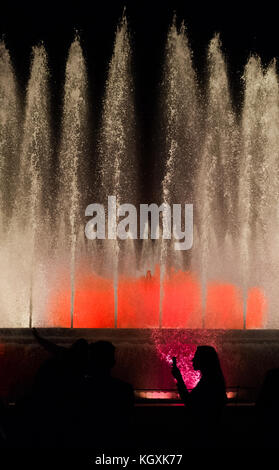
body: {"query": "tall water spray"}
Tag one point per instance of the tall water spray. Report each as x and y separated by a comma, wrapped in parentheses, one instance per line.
(182, 121)
(10, 132)
(29, 231)
(117, 142)
(216, 183)
(72, 157)
(258, 182)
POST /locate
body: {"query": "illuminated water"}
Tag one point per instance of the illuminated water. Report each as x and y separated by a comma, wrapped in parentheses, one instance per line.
(225, 163)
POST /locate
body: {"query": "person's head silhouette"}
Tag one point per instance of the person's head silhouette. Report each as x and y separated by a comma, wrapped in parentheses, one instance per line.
(78, 354)
(207, 361)
(101, 357)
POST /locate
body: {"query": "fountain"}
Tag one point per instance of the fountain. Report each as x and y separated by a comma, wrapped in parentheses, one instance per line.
(223, 161)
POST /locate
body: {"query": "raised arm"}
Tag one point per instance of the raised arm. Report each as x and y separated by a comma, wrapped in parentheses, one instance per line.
(49, 346)
(181, 387)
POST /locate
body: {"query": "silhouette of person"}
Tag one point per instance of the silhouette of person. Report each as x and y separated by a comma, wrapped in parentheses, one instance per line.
(107, 402)
(205, 403)
(56, 391)
(148, 274)
(267, 410)
(65, 361)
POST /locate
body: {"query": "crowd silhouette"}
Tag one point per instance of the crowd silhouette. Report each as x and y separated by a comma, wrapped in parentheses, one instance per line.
(75, 402)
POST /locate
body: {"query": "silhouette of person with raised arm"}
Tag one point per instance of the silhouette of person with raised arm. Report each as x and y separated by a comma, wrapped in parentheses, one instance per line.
(107, 401)
(56, 390)
(267, 411)
(78, 348)
(205, 403)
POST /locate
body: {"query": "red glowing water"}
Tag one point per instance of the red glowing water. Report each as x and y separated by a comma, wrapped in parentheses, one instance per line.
(93, 303)
(256, 310)
(181, 307)
(224, 307)
(139, 303)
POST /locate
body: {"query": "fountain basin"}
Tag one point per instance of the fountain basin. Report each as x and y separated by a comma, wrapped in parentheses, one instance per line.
(142, 357)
